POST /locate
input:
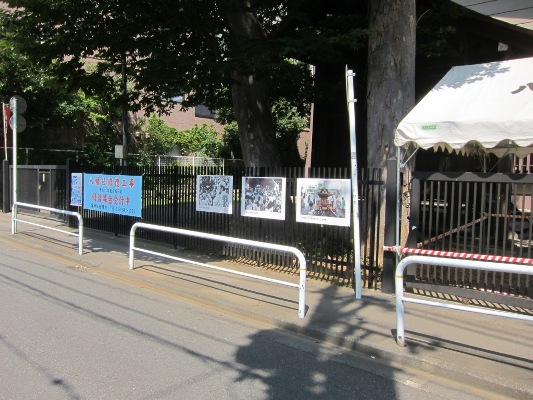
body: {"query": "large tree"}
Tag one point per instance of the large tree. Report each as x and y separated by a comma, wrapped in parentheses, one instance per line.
(391, 79)
(51, 106)
(391, 74)
(217, 52)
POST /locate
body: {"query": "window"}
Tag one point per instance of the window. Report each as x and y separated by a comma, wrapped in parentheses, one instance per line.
(203, 112)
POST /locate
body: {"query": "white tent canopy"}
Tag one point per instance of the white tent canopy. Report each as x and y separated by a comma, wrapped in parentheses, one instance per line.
(484, 105)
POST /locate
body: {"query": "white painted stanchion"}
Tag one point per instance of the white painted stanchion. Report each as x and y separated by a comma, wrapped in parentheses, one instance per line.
(15, 219)
(252, 243)
(447, 262)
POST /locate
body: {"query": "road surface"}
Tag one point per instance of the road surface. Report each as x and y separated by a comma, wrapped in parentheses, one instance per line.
(69, 332)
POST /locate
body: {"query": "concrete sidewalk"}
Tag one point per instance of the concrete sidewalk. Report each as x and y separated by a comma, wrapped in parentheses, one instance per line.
(488, 352)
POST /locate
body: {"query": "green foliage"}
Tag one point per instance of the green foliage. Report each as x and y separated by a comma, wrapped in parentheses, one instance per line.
(189, 48)
(98, 150)
(289, 124)
(97, 122)
(157, 138)
(161, 138)
(37, 85)
(201, 141)
(52, 105)
(153, 137)
(231, 145)
(437, 34)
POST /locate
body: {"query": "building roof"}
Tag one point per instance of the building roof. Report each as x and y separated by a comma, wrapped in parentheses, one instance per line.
(514, 12)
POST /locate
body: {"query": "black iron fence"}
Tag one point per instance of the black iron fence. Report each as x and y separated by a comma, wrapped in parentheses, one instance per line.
(455, 212)
(169, 199)
(43, 185)
(485, 214)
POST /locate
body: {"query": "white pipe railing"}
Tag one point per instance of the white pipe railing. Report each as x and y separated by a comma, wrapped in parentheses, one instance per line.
(79, 235)
(447, 262)
(253, 243)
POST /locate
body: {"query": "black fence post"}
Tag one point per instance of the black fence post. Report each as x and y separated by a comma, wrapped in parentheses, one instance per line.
(389, 257)
(6, 198)
(68, 182)
(68, 190)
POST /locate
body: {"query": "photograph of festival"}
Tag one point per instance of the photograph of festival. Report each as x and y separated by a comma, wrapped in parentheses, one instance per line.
(323, 201)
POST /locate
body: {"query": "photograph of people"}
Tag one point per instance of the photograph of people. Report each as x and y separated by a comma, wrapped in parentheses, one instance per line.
(263, 197)
(214, 193)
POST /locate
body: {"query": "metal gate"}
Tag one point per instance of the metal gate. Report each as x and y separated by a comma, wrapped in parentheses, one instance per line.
(42, 185)
(478, 213)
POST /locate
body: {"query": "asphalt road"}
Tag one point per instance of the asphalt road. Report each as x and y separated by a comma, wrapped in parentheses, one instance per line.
(69, 332)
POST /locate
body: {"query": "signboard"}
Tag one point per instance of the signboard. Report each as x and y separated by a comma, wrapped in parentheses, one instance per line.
(116, 194)
(263, 198)
(119, 151)
(214, 193)
(323, 201)
(76, 189)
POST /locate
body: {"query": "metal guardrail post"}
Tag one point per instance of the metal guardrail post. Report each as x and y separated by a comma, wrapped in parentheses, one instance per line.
(56, 210)
(264, 245)
(457, 263)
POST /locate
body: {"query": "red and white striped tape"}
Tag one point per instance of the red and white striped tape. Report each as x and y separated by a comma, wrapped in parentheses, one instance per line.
(465, 256)
(515, 217)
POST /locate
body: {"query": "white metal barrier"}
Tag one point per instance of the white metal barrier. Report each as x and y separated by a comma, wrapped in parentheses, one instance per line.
(253, 243)
(79, 235)
(447, 262)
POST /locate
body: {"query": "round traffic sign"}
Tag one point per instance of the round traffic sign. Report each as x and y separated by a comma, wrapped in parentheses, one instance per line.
(21, 104)
(21, 123)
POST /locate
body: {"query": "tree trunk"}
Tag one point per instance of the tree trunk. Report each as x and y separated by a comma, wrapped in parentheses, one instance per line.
(391, 80)
(391, 74)
(249, 94)
(256, 129)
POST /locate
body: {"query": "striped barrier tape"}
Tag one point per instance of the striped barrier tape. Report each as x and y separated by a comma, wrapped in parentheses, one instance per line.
(465, 256)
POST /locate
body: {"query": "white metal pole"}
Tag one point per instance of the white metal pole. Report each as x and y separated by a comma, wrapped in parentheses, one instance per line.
(398, 201)
(355, 188)
(400, 311)
(14, 127)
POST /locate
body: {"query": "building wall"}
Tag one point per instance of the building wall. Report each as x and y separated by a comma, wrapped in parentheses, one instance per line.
(182, 120)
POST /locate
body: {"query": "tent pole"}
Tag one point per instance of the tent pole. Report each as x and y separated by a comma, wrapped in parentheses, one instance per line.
(398, 200)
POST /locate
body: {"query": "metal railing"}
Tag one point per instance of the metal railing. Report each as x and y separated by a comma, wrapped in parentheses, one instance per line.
(79, 235)
(252, 243)
(437, 261)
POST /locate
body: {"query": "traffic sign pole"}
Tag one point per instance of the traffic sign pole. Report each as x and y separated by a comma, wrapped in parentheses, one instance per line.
(18, 123)
(14, 118)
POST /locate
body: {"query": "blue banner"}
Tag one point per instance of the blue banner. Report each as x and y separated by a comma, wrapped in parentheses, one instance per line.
(116, 194)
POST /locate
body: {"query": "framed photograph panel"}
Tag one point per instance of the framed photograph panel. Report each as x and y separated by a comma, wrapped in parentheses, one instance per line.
(323, 201)
(263, 197)
(214, 193)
